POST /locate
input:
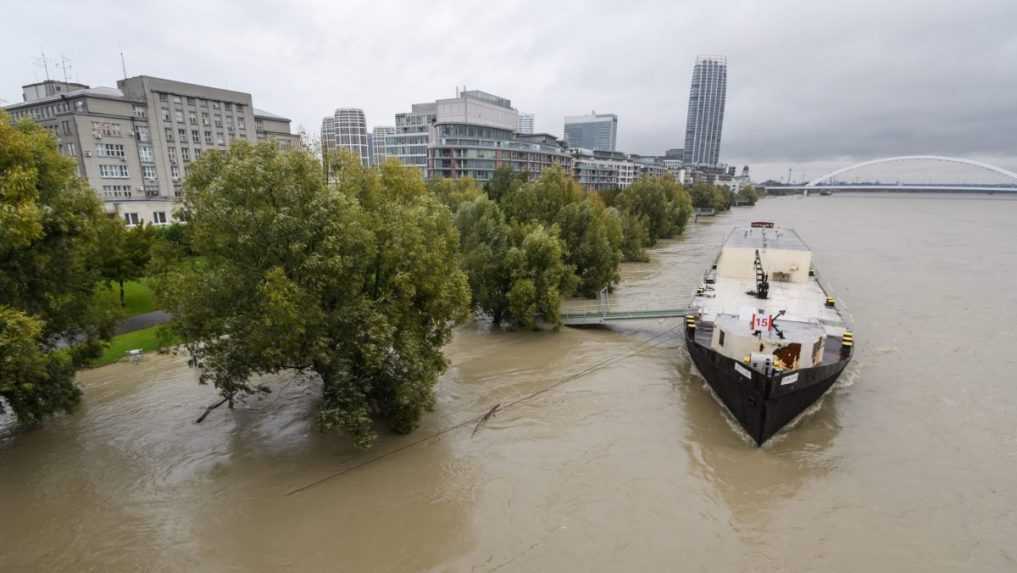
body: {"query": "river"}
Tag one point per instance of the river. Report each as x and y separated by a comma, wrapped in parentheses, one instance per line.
(626, 462)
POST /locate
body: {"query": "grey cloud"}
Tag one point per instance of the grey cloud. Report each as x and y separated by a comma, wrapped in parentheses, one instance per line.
(809, 82)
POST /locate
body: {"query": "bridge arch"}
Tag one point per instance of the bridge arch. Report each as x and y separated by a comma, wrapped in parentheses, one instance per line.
(815, 182)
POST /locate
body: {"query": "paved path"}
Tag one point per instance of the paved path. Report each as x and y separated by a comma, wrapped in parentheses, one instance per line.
(140, 321)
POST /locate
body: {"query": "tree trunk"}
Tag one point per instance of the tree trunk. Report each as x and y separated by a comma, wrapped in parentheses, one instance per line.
(123, 299)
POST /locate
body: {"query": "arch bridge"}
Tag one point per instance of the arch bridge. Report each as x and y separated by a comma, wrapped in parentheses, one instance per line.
(827, 182)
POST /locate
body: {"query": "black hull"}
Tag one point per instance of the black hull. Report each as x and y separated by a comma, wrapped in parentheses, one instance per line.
(762, 404)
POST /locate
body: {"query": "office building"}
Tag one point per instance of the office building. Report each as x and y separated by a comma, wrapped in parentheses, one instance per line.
(346, 130)
(379, 136)
(135, 143)
(412, 136)
(705, 119)
(271, 127)
(476, 132)
(596, 132)
(525, 123)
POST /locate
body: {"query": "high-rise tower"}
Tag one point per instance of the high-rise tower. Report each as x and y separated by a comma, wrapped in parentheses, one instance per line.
(706, 110)
(347, 129)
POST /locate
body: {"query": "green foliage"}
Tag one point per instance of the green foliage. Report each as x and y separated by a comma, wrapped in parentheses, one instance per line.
(747, 195)
(173, 235)
(454, 192)
(125, 252)
(503, 182)
(593, 236)
(540, 200)
(635, 237)
(540, 277)
(49, 270)
(706, 196)
(659, 204)
(485, 240)
(358, 282)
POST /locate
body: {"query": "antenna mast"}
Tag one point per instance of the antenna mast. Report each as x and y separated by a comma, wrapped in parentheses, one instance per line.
(123, 63)
(43, 63)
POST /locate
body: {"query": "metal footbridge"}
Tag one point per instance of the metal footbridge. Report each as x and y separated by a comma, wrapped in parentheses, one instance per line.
(602, 313)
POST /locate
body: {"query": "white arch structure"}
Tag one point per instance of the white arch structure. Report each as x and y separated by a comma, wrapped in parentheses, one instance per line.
(970, 162)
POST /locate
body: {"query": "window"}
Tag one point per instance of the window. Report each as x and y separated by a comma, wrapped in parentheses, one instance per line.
(143, 134)
(208, 137)
(183, 135)
(131, 219)
(169, 134)
(140, 111)
(163, 97)
(113, 191)
(70, 149)
(192, 118)
(240, 123)
(185, 153)
(197, 152)
(106, 128)
(159, 217)
(174, 171)
(190, 101)
(195, 136)
(145, 152)
(109, 150)
(218, 120)
(172, 153)
(228, 106)
(178, 115)
(219, 139)
(176, 99)
(66, 125)
(148, 171)
(204, 118)
(215, 105)
(165, 114)
(113, 171)
(722, 338)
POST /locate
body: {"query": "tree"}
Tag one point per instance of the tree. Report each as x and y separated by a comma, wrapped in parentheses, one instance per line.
(454, 192)
(503, 182)
(358, 283)
(540, 200)
(593, 237)
(49, 272)
(660, 204)
(125, 252)
(540, 277)
(747, 195)
(635, 237)
(484, 241)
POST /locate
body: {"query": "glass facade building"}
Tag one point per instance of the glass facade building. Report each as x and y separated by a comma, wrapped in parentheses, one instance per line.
(597, 131)
(705, 120)
(347, 129)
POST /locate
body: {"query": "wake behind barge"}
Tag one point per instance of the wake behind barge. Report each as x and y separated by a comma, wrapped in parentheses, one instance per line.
(764, 332)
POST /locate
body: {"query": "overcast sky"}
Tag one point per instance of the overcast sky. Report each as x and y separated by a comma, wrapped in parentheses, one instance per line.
(811, 84)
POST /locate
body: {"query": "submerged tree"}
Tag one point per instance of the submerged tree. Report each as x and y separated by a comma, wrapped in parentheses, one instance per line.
(51, 320)
(660, 205)
(358, 282)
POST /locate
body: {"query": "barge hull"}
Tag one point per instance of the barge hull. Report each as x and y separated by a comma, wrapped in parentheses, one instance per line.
(761, 404)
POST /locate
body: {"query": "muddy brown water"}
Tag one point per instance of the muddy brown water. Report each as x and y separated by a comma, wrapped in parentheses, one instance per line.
(909, 464)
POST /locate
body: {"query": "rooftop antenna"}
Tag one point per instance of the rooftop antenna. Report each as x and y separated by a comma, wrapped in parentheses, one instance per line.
(43, 63)
(65, 65)
(123, 63)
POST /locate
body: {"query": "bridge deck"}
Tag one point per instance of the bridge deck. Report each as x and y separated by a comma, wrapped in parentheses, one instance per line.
(601, 317)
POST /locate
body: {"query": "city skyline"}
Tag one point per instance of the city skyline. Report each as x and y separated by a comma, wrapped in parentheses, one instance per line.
(806, 98)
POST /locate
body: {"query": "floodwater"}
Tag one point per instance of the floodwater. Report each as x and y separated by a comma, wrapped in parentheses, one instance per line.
(625, 462)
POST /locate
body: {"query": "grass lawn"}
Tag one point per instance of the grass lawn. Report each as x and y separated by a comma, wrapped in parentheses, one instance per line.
(146, 339)
(138, 296)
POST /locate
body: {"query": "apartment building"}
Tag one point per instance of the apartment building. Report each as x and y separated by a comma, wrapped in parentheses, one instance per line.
(134, 144)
